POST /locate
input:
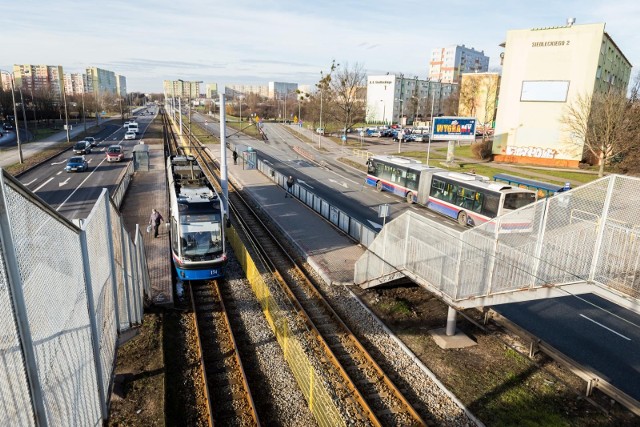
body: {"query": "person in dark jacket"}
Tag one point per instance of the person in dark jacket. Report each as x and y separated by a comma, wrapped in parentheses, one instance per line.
(155, 220)
(290, 182)
(235, 157)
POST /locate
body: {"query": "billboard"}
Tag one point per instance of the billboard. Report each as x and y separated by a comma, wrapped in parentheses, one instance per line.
(454, 129)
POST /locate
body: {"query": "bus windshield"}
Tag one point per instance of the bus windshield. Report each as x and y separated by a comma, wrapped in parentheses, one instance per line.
(513, 201)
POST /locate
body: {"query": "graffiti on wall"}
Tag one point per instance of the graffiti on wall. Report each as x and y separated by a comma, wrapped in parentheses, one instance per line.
(538, 152)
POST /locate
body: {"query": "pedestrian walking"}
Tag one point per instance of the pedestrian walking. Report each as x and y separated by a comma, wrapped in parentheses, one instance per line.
(290, 182)
(154, 221)
(235, 157)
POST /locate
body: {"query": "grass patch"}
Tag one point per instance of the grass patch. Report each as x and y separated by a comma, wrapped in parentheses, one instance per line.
(399, 306)
(247, 128)
(202, 134)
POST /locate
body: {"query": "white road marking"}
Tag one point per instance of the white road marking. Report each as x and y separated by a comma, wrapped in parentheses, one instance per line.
(305, 183)
(42, 185)
(58, 163)
(608, 329)
(339, 183)
(60, 184)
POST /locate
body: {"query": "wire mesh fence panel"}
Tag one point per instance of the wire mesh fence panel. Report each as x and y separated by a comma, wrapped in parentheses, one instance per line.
(98, 235)
(118, 255)
(15, 401)
(56, 308)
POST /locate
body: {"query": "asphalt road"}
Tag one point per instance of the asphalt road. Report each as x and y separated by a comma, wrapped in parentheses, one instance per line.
(74, 194)
(592, 331)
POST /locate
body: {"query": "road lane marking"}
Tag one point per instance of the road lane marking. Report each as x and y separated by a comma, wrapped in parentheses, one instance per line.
(609, 329)
(42, 185)
(31, 182)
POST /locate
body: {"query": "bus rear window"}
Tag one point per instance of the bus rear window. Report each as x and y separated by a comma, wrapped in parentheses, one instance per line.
(514, 201)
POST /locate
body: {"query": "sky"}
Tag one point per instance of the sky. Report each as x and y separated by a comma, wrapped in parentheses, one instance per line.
(254, 42)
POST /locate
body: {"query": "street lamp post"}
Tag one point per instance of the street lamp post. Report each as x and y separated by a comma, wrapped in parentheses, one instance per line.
(84, 117)
(66, 116)
(319, 135)
(35, 119)
(24, 116)
(433, 101)
(15, 114)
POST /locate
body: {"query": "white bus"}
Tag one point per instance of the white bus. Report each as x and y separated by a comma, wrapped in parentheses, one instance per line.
(468, 198)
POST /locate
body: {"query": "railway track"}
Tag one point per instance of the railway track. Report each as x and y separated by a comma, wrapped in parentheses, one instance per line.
(226, 387)
(379, 401)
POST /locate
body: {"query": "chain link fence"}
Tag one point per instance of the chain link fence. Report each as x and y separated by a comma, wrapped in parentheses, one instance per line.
(66, 292)
(588, 235)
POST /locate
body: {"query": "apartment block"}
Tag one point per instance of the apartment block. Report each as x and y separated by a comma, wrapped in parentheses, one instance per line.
(100, 82)
(40, 78)
(182, 89)
(448, 63)
(544, 71)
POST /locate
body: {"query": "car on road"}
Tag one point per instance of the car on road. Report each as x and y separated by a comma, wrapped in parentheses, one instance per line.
(82, 147)
(126, 125)
(77, 164)
(7, 126)
(131, 134)
(115, 153)
(320, 131)
(91, 140)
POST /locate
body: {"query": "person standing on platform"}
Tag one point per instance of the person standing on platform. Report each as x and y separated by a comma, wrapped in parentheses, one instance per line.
(155, 220)
(235, 157)
(290, 182)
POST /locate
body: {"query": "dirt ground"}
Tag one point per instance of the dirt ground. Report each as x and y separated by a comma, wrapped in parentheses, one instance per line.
(495, 379)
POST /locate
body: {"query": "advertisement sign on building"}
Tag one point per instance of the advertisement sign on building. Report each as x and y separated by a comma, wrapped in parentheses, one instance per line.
(454, 128)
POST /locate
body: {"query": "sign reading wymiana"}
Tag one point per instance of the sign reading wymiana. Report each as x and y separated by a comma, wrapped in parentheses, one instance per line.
(454, 128)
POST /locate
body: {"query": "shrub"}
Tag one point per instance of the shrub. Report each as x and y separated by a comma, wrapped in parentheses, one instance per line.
(481, 150)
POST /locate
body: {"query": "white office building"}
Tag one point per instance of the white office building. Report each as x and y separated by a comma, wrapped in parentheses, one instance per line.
(395, 99)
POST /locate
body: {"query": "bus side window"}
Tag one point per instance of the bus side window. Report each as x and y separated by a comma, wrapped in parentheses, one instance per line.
(477, 202)
(491, 205)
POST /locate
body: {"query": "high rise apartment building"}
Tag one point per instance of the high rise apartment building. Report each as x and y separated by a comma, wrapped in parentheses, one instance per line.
(101, 81)
(211, 90)
(40, 78)
(545, 70)
(182, 89)
(448, 63)
(121, 85)
(74, 83)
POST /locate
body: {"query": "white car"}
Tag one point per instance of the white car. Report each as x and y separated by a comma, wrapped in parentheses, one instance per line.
(126, 125)
(130, 135)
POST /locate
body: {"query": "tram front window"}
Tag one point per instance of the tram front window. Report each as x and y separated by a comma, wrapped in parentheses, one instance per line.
(201, 240)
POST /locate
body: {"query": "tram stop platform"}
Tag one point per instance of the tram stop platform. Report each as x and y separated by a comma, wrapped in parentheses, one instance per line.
(329, 252)
(148, 190)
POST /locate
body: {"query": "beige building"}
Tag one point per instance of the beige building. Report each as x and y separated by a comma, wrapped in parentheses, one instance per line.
(182, 89)
(479, 97)
(544, 70)
(211, 90)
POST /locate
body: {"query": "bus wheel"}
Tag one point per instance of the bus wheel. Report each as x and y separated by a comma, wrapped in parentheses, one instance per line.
(462, 218)
(379, 185)
(409, 197)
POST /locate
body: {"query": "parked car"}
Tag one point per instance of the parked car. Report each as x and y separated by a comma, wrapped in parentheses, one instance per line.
(91, 140)
(115, 153)
(419, 137)
(77, 164)
(7, 126)
(126, 125)
(131, 134)
(320, 131)
(376, 133)
(82, 147)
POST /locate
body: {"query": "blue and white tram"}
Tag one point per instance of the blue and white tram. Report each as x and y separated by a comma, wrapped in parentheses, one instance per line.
(197, 229)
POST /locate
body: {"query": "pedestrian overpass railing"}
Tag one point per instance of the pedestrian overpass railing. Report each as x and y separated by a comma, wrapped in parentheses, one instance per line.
(583, 240)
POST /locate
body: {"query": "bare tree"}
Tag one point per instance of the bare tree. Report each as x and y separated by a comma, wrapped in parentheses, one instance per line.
(469, 95)
(606, 122)
(344, 85)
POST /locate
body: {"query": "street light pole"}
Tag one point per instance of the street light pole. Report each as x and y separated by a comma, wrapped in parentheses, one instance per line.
(66, 116)
(24, 115)
(35, 119)
(433, 101)
(84, 117)
(15, 115)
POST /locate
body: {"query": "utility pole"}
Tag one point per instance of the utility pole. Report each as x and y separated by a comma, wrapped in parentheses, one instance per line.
(66, 116)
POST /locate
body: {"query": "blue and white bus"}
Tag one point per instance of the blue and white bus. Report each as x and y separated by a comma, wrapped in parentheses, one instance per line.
(468, 198)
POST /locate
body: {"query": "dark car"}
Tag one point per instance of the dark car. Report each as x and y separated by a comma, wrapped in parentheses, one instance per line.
(76, 164)
(91, 140)
(7, 126)
(82, 147)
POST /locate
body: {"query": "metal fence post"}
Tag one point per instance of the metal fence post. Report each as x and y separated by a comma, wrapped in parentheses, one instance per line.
(112, 265)
(125, 284)
(20, 310)
(95, 339)
(600, 235)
